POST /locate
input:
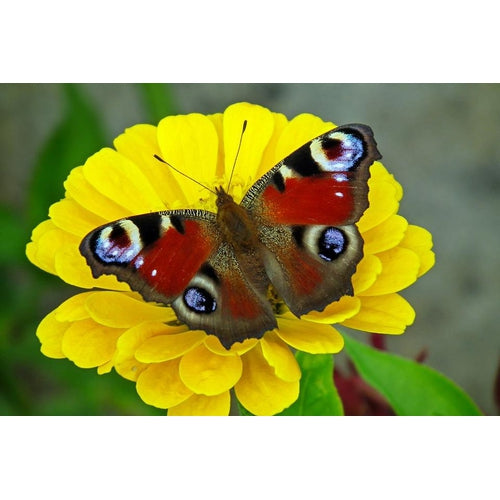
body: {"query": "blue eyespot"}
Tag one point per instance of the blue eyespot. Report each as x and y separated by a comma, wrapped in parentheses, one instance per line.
(199, 300)
(331, 243)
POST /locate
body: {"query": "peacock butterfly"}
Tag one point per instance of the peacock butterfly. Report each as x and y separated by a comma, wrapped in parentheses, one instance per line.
(294, 233)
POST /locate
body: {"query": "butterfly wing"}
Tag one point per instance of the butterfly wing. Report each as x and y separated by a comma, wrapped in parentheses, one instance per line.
(177, 258)
(306, 208)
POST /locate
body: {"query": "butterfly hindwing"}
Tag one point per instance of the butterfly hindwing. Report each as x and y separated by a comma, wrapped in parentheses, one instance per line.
(227, 298)
(311, 266)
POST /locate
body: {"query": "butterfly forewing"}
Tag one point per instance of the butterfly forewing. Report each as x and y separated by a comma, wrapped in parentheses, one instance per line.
(157, 254)
(322, 182)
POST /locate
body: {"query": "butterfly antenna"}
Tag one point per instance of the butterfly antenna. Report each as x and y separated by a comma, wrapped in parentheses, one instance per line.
(185, 175)
(237, 153)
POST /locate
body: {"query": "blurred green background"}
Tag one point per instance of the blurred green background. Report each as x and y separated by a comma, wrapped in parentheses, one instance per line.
(441, 141)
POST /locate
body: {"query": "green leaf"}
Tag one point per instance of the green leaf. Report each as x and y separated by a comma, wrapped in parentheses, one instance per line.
(14, 237)
(77, 137)
(158, 100)
(411, 388)
(318, 395)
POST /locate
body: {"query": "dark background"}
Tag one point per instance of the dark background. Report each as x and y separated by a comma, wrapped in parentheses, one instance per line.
(441, 141)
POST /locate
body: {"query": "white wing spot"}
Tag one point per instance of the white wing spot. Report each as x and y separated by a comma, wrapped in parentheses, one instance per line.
(340, 177)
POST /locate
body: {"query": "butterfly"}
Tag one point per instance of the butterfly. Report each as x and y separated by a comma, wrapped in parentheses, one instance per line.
(293, 234)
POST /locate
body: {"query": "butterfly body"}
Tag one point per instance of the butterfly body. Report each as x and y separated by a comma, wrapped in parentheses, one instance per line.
(294, 231)
(235, 223)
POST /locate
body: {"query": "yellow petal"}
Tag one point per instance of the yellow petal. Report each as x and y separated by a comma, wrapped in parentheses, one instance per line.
(119, 310)
(50, 332)
(74, 308)
(419, 240)
(383, 314)
(259, 390)
(279, 356)
(125, 362)
(140, 144)
(120, 180)
(258, 132)
(160, 385)
(45, 260)
(270, 155)
(85, 194)
(89, 344)
(41, 229)
(366, 274)
(207, 373)
(134, 337)
(399, 270)
(41, 252)
(382, 199)
(379, 172)
(72, 268)
(165, 347)
(200, 405)
(71, 217)
(189, 143)
(306, 336)
(105, 368)
(130, 368)
(217, 121)
(298, 131)
(335, 312)
(385, 236)
(213, 344)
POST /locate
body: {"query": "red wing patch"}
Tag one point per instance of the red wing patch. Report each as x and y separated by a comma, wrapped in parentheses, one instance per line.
(169, 264)
(303, 272)
(326, 199)
(239, 299)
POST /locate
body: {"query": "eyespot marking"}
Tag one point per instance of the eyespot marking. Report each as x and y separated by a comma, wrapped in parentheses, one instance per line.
(331, 243)
(199, 300)
(118, 244)
(339, 151)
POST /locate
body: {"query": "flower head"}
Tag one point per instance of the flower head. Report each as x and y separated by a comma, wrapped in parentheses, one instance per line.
(188, 371)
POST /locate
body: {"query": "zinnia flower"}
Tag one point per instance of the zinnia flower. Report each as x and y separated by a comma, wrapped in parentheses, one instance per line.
(189, 372)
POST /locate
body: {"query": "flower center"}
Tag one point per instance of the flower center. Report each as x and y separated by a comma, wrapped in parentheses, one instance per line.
(238, 188)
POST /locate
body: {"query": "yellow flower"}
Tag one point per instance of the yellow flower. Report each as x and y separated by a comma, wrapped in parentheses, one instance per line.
(189, 372)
